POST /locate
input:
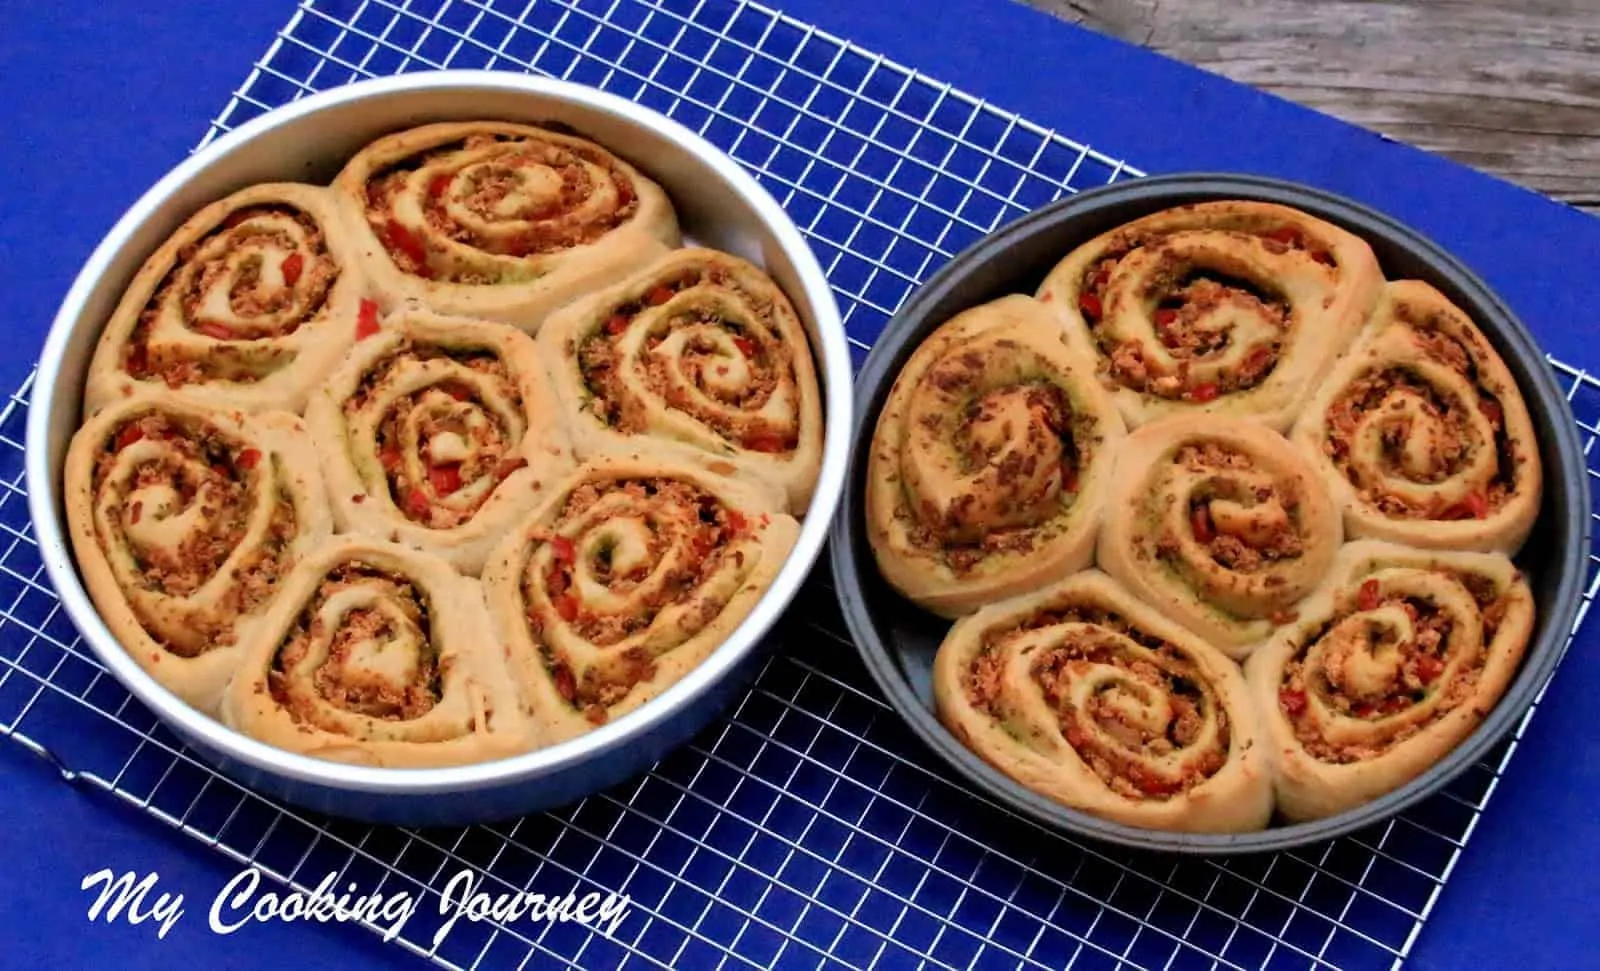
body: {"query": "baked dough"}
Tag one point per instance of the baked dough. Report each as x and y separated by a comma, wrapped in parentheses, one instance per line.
(498, 221)
(378, 655)
(628, 576)
(700, 355)
(1422, 434)
(1393, 662)
(1087, 696)
(991, 461)
(439, 433)
(1220, 524)
(1229, 308)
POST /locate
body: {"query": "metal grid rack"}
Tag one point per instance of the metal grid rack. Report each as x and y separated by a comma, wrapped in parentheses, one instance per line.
(806, 828)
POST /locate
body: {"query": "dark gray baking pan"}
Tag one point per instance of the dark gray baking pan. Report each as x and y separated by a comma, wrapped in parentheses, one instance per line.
(898, 640)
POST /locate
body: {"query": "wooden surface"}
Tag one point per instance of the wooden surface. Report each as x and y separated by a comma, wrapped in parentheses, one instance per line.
(1511, 87)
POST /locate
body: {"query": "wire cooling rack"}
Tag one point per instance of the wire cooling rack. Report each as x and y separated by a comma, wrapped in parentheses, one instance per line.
(807, 828)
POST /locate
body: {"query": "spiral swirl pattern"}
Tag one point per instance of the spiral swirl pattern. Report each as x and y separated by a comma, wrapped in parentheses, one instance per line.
(440, 433)
(1220, 524)
(990, 462)
(499, 221)
(1422, 434)
(248, 305)
(184, 520)
(1221, 307)
(1085, 696)
(625, 580)
(1392, 663)
(699, 355)
(378, 655)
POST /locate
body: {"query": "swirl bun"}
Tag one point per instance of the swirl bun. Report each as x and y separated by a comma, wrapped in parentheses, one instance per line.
(498, 221)
(1086, 696)
(184, 522)
(1229, 307)
(1421, 433)
(1218, 523)
(990, 462)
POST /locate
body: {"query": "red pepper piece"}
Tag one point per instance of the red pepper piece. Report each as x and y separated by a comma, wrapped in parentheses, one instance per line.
(566, 684)
(407, 243)
(1069, 476)
(460, 392)
(564, 549)
(658, 296)
(746, 346)
(1474, 506)
(417, 503)
(1166, 317)
(438, 184)
(1204, 392)
(1200, 522)
(249, 457)
(292, 265)
(445, 479)
(1091, 306)
(736, 521)
(1367, 596)
(1429, 668)
(214, 330)
(567, 607)
(765, 442)
(390, 457)
(617, 324)
(128, 435)
(367, 320)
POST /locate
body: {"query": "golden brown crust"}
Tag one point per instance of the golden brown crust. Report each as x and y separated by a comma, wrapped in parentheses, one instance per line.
(1227, 307)
(439, 433)
(498, 221)
(628, 576)
(184, 521)
(1394, 661)
(382, 656)
(248, 305)
(1090, 698)
(990, 462)
(1421, 433)
(1220, 524)
(702, 353)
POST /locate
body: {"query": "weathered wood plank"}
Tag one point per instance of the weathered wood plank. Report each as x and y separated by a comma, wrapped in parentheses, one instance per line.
(1509, 87)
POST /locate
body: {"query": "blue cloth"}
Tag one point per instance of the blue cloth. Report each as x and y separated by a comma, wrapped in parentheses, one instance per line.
(100, 105)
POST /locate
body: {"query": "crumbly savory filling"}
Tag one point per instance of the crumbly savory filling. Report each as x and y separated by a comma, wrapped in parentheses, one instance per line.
(1116, 744)
(730, 408)
(303, 277)
(1450, 440)
(339, 679)
(691, 536)
(450, 411)
(484, 186)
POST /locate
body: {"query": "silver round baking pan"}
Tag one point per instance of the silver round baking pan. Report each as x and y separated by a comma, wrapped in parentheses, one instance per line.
(718, 204)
